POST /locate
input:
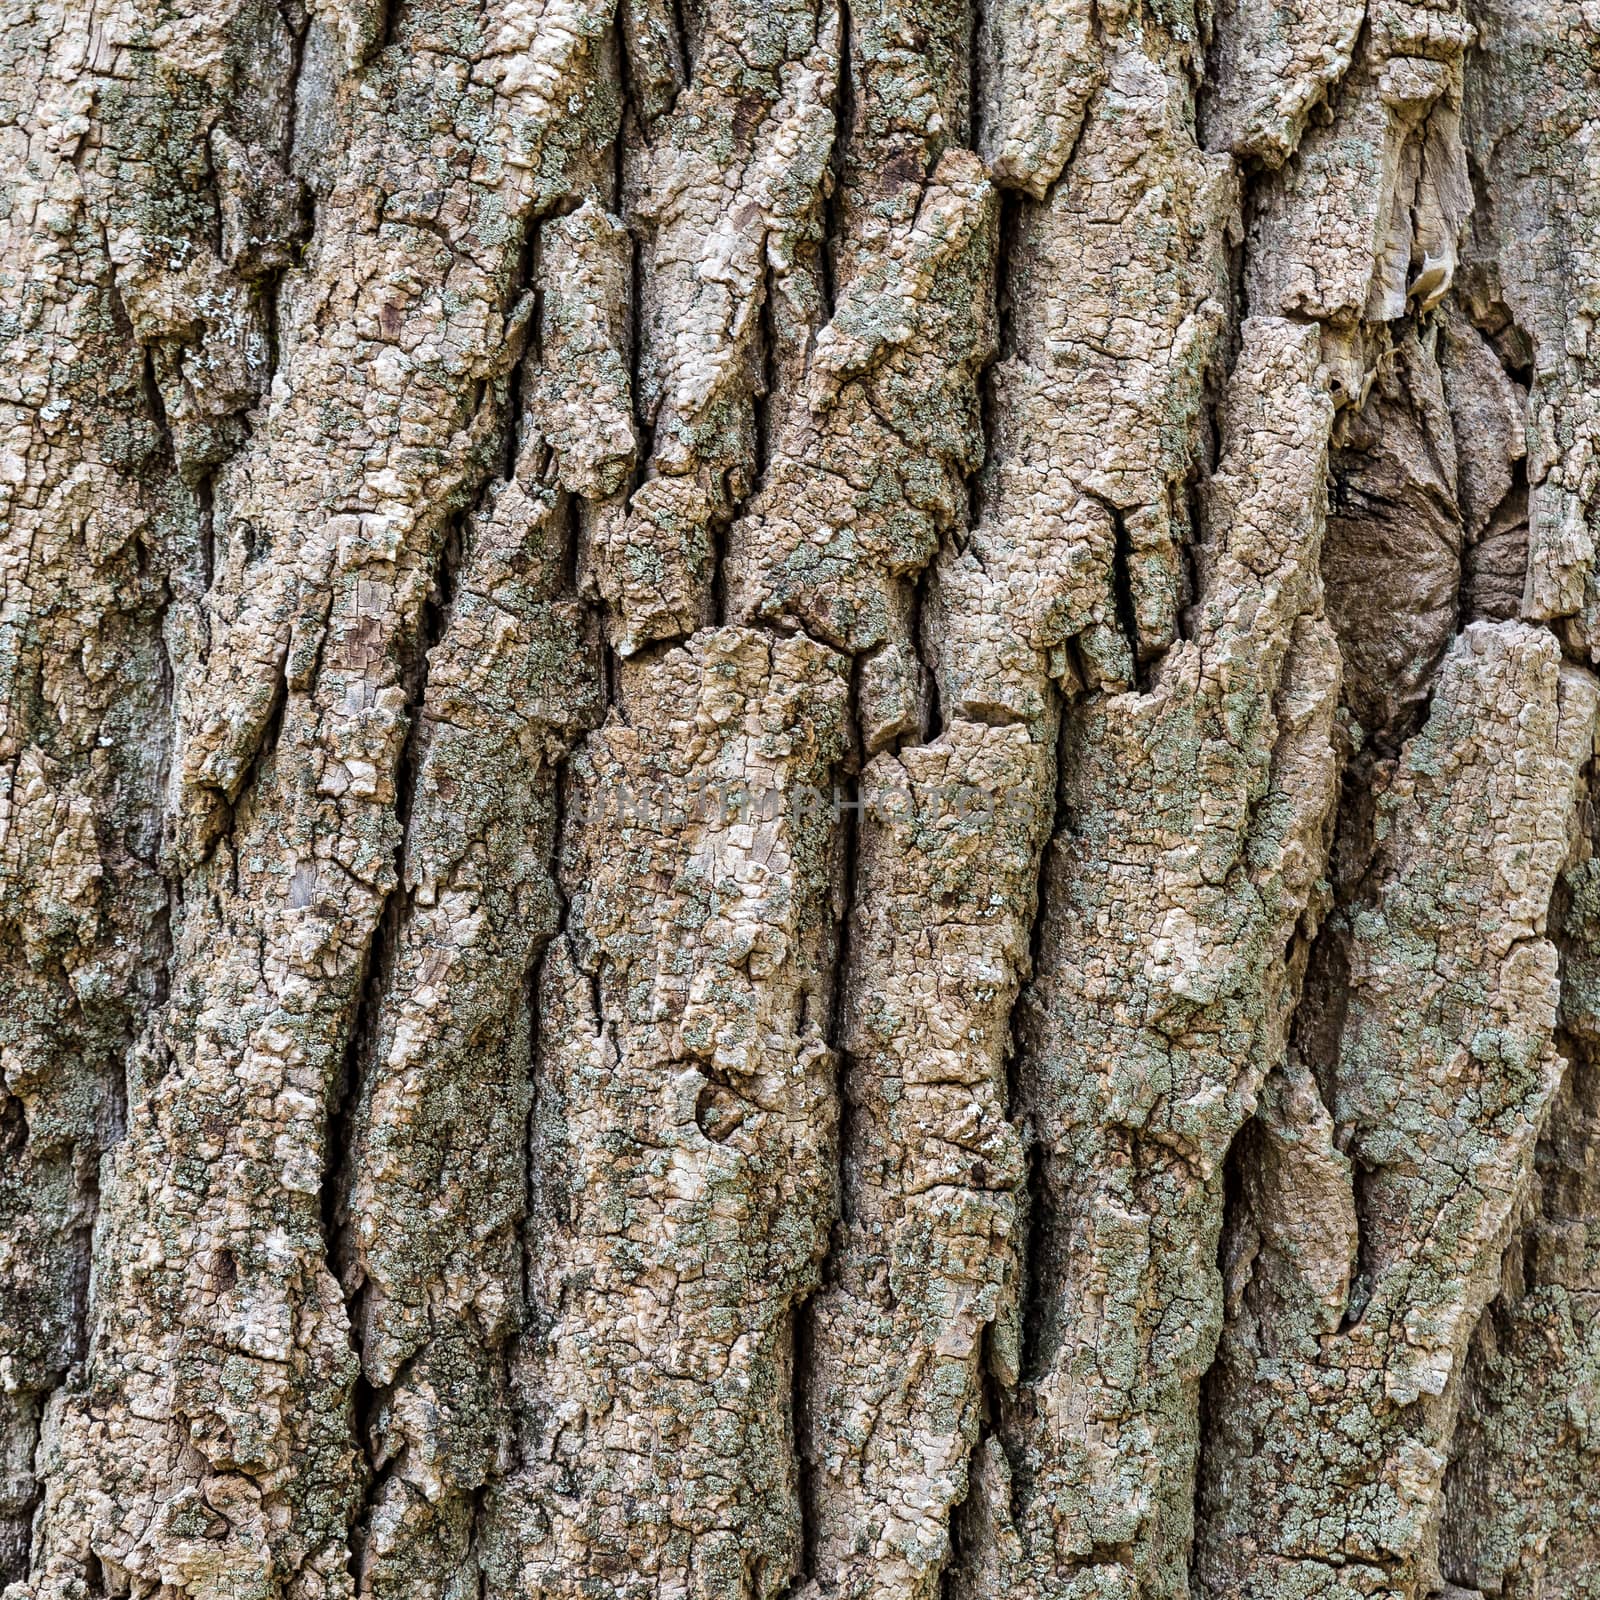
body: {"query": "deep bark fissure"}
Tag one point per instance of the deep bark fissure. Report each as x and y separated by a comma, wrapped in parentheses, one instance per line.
(1122, 597)
(767, 356)
(805, 1467)
(1010, 222)
(1033, 1200)
(847, 821)
(527, 284)
(362, 1041)
(837, 184)
(685, 41)
(930, 711)
(644, 421)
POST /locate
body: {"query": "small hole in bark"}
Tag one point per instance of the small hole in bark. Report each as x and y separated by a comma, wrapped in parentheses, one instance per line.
(13, 1126)
(93, 1575)
(718, 1111)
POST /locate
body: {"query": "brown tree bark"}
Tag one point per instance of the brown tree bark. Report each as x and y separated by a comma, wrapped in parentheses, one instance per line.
(797, 800)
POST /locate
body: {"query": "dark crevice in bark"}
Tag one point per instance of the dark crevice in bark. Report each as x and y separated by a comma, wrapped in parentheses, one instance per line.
(361, 1043)
(1008, 229)
(94, 1576)
(16, 1525)
(1034, 1205)
(148, 1031)
(1122, 595)
(270, 288)
(1039, 1217)
(611, 674)
(631, 133)
(1015, 1106)
(343, 1098)
(16, 1521)
(150, 390)
(1316, 1026)
(296, 22)
(630, 113)
(951, 1573)
(337, 1178)
(838, 162)
(13, 1125)
(414, 674)
(267, 286)
(1239, 1155)
(1235, 1218)
(387, 32)
(561, 823)
(526, 284)
(561, 779)
(1512, 345)
(272, 320)
(809, 1492)
(1189, 557)
(644, 422)
(205, 513)
(680, 24)
(930, 710)
(767, 386)
(846, 842)
(974, 106)
(479, 1503)
(717, 533)
(1367, 1267)
(573, 558)
(1208, 455)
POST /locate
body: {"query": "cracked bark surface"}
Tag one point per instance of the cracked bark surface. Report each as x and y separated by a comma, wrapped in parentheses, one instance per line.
(796, 800)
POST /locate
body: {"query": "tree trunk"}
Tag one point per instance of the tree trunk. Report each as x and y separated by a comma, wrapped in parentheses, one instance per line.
(796, 800)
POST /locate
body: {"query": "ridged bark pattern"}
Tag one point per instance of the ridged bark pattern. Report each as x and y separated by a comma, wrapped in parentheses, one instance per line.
(797, 800)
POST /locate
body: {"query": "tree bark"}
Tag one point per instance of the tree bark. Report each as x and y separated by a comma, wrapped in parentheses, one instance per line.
(797, 800)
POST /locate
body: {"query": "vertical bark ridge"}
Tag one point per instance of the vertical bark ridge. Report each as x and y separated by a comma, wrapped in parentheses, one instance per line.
(1391, 1156)
(952, 837)
(122, 394)
(844, 543)
(1444, 1067)
(441, 1122)
(685, 1131)
(1131, 396)
(1142, 1055)
(1534, 1356)
(437, 1129)
(211, 1440)
(699, 797)
(806, 1401)
(720, 189)
(1519, 1496)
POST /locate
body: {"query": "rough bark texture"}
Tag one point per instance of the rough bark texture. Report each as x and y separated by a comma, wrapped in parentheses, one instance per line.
(797, 800)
